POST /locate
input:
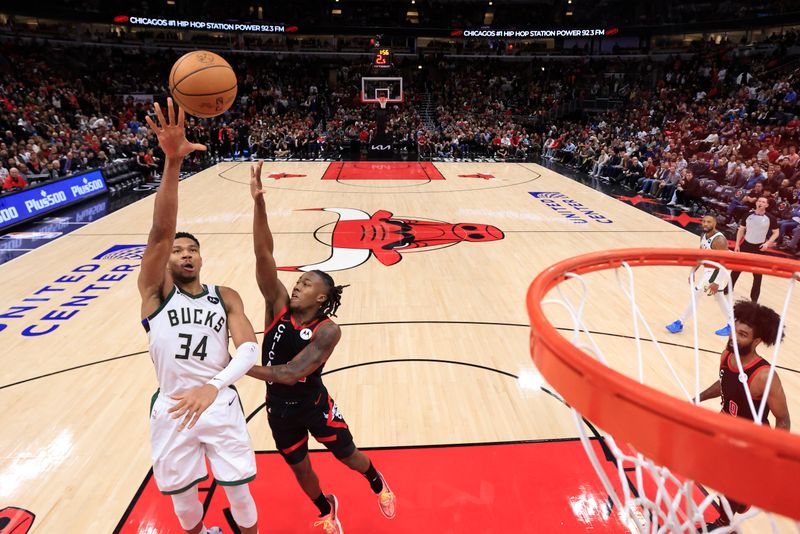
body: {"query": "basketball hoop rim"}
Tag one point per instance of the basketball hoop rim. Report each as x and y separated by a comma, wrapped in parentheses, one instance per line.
(753, 464)
(364, 100)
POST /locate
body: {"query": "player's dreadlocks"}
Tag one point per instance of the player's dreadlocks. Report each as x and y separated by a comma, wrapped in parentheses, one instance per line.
(763, 320)
(331, 304)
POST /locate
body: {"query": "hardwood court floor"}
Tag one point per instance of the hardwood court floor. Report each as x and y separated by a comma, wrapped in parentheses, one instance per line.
(431, 313)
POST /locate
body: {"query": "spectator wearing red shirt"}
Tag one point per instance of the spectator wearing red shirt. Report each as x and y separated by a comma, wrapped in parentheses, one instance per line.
(14, 179)
(772, 154)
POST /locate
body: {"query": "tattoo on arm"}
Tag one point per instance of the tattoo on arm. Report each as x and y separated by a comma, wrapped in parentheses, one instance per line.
(306, 362)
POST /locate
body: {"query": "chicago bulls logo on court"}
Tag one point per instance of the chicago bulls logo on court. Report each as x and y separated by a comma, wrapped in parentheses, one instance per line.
(15, 520)
(357, 236)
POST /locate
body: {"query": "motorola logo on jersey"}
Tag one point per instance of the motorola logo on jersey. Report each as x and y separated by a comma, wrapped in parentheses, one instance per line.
(213, 300)
(571, 210)
(305, 334)
(357, 235)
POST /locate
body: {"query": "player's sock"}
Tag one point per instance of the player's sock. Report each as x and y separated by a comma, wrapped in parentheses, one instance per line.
(374, 479)
(323, 504)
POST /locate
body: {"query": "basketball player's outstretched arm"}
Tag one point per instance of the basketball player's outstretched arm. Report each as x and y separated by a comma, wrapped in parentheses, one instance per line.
(307, 360)
(275, 294)
(173, 142)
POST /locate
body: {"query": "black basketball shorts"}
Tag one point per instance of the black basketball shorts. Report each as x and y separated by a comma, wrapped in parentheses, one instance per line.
(291, 422)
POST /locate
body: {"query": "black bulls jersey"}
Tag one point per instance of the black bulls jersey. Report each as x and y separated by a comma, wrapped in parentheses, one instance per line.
(284, 340)
(734, 399)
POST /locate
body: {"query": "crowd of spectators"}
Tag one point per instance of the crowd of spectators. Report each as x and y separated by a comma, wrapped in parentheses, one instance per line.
(65, 110)
(60, 115)
(714, 123)
(718, 115)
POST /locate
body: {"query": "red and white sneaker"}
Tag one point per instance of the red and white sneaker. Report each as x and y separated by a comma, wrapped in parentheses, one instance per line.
(330, 523)
(387, 500)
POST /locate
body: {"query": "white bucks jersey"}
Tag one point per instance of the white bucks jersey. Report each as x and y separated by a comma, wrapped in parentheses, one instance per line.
(188, 339)
(705, 242)
(721, 278)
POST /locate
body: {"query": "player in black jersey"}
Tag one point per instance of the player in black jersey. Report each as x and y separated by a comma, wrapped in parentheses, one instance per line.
(298, 339)
(755, 324)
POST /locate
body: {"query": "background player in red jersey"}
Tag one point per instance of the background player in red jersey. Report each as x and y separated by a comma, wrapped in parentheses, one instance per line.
(298, 339)
(755, 324)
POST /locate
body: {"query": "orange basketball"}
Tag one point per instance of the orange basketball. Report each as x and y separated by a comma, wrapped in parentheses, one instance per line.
(203, 83)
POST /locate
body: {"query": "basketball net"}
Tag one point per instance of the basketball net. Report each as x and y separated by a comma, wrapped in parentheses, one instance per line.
(382, 101)
(646, 496)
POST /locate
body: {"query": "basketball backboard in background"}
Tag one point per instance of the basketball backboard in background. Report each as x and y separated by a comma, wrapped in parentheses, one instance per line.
(376, 88)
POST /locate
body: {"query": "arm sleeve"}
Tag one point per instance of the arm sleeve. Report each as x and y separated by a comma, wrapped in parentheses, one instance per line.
(246, 357)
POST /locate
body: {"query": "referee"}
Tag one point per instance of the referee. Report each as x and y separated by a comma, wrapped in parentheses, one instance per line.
(752, 237)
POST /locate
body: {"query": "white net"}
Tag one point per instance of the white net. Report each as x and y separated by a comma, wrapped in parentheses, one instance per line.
(647, 497)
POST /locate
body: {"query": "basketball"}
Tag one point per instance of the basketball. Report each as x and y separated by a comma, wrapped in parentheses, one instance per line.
(203, 83)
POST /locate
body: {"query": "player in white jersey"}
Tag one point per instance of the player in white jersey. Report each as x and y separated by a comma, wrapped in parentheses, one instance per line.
(195, 414)
(712, 281)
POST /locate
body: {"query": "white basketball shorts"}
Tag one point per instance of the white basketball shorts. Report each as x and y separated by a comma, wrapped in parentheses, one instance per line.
(721, 280)
(179, 458)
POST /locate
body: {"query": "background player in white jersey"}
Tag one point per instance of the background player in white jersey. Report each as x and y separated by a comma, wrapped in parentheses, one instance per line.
(195, 414)
(298, 339)
(712, 281)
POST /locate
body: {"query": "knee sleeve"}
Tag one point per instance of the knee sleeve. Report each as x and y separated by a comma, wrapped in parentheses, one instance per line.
(188, 508)
(243, 507)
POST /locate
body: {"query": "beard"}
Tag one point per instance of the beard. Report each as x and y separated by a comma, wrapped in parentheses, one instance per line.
(182, 278)
(743, 349)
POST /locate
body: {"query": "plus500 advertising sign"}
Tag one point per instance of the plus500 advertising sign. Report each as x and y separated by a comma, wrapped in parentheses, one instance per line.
(36, 201)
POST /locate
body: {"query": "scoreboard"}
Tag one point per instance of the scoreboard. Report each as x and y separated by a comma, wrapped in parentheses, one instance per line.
(382, 58)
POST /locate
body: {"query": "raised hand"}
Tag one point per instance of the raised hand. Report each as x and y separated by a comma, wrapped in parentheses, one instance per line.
(256, 187)
(170, 133)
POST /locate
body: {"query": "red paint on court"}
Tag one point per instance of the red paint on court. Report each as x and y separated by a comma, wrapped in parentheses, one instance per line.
(382, 170)
(527, 487)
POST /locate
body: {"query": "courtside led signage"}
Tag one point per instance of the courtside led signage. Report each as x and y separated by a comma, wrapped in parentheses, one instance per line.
(36, 201)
